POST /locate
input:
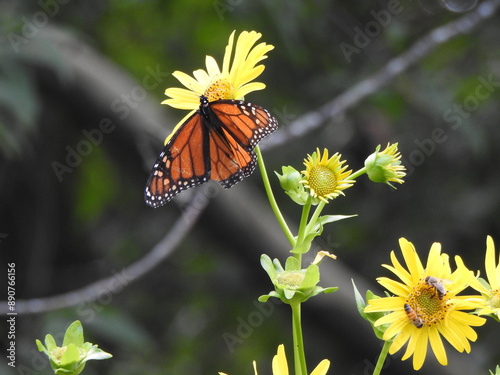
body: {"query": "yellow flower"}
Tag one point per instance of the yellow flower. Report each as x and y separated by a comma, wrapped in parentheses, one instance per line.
(425, 306)
(490, 291)
(232, 82)
(385, 166)
(280, 365)
(326, 177)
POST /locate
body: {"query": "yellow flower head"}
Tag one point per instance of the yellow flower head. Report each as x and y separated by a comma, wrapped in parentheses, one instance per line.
(232, 82)
(385, 166)
(425, 306)
(325, 177)
(490, 290)
(280, 365)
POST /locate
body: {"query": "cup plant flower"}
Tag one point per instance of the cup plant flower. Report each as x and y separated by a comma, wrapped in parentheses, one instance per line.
(73, 355)
(425, 305)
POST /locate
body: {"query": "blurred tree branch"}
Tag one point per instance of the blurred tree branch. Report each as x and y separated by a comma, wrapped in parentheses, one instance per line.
(115, 283)
(349, 98)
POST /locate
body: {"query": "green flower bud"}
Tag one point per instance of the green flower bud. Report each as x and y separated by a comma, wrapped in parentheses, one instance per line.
(385, 166)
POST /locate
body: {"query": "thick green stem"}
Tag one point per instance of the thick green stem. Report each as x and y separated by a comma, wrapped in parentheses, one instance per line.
(382, 357)
(357, 173)
(302, 228)
(272, 200)
(298, 341)
(315, 216)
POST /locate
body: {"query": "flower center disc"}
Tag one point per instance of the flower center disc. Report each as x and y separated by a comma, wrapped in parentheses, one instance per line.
(220, 89)
(322, 180)
(427, 304)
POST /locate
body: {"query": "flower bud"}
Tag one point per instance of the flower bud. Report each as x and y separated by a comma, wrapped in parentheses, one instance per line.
(385, 166)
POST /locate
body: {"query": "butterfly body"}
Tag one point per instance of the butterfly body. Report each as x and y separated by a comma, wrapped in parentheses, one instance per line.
(216, 143)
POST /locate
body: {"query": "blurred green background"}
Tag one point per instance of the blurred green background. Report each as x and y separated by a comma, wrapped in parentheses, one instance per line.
(68, 68)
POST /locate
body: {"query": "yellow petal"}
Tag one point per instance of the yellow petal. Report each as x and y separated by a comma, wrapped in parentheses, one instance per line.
(418, 347)
(189, 82)
(492, 273)
(400, 340)
(280, 366)
(321, 368)
(437, 346)
(227, 54)
(395, 287)
(411, 259)
(254, 86)
(212, 66)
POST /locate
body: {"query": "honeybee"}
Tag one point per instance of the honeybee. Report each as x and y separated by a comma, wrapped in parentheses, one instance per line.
(438, 284)
(413, 316)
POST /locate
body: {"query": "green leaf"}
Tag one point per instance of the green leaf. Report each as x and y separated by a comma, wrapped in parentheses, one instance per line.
(40, 347)
(268, 266)
(97, 354)
(292, 264)
(70, 355)
(311, 278)
(497, 371)
(330, 289)
(325, 219)
(50, 343)
(360, 302)
(74, 334)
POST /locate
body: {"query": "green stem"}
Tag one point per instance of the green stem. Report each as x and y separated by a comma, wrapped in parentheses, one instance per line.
(357, 173)
(382, 357)
(272, 200)
(298, 342)
(315, 216)
(302, 228)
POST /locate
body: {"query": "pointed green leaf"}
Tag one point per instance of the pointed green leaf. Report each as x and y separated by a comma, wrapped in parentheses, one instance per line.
(360, 302)
(332, 218)
(74, 334)
(268, 266)
(50, 343)
(311, 278)
(292, 264)
(96, 353)
(40, 347)
(330, 289)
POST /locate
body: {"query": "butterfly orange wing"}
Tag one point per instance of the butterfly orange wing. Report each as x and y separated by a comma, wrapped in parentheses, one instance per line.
(236, 128)
(215, 143)
(183, 163)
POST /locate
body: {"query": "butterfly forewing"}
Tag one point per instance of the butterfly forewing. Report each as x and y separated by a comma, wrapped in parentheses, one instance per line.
(175, 169)
(246, 122)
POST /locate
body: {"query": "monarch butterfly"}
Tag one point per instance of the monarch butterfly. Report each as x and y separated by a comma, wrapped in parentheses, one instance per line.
(216, 143)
